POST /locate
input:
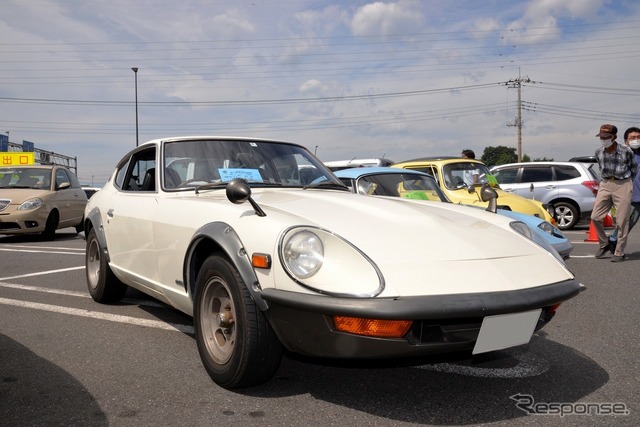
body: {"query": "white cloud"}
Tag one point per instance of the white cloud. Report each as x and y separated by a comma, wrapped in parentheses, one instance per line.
(402, 17)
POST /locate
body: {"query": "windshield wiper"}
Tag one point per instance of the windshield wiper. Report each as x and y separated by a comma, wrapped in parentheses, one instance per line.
(327, 184)
(223, 184)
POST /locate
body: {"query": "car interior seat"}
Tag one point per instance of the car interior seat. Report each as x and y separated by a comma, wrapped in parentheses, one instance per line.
(149, 182)
(171, 178)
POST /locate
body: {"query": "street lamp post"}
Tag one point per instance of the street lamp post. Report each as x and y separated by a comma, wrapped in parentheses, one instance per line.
(135, 72)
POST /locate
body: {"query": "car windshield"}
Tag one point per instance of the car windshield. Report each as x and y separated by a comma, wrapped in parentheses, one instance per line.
(464, 174)
(408, 185)
(35, 178)
(198, 163)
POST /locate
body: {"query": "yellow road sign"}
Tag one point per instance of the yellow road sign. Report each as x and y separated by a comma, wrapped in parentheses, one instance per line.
(16, 158)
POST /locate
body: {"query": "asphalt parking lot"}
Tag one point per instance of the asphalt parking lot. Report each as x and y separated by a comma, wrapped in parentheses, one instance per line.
(65, 360)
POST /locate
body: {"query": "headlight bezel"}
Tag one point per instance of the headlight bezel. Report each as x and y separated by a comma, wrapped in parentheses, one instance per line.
(362, 276)
(31, 204)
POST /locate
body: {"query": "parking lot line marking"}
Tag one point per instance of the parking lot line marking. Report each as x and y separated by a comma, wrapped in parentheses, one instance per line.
(61, 248)
(176, 327)
(41, 273)
(41, 251)
(46, 290)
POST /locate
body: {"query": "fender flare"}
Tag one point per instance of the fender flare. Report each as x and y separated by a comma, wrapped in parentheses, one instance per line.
(95, 219)
(224, 236)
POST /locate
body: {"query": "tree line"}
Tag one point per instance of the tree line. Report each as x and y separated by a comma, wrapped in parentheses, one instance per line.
(501, 155)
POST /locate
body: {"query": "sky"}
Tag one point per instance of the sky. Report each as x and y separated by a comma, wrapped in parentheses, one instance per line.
(347, 79)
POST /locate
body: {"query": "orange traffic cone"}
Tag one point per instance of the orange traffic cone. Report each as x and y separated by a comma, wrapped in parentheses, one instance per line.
(592, 235)
(608, 221)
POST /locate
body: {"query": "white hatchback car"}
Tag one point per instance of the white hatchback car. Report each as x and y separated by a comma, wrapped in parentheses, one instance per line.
(227, 230)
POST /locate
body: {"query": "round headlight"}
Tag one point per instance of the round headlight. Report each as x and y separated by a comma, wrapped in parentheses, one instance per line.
(303, 253)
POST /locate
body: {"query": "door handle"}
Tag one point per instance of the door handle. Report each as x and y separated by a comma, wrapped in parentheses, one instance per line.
(110, 213)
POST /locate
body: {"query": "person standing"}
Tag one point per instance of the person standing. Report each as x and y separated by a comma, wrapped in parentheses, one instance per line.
(472, 175)
(618, 168)
(632, 139)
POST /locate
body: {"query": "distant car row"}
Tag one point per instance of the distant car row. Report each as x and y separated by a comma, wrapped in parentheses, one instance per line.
(565, 189)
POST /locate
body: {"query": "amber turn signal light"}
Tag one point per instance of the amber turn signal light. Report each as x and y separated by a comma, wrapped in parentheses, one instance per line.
(261, 260)
(372, 327)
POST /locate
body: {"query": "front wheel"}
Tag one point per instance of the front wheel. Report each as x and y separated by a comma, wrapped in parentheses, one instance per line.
(237, 346)
(104, 286)
(567, 215)
(51, 225)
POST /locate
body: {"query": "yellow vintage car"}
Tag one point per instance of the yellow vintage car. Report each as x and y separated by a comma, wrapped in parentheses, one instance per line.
(460, 178)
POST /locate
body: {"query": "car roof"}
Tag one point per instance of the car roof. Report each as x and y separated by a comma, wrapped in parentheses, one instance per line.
(439, 159)
(362, 171)
(214, 137)
(532, 163)
(31, 166)
(584, 159)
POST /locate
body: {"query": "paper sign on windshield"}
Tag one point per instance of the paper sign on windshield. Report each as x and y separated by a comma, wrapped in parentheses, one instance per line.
(233, 173)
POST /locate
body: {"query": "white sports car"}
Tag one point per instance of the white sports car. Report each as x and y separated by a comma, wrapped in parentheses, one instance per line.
(268, 250)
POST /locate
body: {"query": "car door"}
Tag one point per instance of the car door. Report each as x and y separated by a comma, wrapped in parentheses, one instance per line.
(129, 219)
(71, 200)
(537, 182)
(507, 178)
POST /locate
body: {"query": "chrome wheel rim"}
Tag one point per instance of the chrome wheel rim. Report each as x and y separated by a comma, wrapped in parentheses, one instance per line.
(93, 263)
(217, 317)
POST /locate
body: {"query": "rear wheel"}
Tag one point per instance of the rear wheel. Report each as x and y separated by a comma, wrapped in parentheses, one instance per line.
(567, 215)
(104, 286)
(236, 344)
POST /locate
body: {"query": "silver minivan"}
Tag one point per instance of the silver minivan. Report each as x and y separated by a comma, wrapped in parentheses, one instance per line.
(570, 187)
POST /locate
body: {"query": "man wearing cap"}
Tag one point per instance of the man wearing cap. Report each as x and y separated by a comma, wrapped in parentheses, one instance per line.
(618, 168)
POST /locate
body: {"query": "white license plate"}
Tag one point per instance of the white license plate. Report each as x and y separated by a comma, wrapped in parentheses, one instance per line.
(506, 330)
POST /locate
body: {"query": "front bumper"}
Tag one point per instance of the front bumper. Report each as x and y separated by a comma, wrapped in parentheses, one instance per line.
(441, 323)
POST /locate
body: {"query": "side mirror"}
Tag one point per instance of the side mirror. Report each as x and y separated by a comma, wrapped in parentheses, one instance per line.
(63, 186)
(238, 192)
(488, 194)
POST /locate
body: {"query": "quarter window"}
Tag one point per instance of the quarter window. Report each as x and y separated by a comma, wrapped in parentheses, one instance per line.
(564, 173)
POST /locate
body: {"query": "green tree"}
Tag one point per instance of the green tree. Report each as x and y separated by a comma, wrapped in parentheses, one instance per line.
(499, 155)
(544, 159)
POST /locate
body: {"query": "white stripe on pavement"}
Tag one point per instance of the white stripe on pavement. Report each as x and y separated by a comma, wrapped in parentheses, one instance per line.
(176, 327)
(41, 273)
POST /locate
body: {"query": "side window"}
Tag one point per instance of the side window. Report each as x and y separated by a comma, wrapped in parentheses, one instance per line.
(74, 180)
(138, 173)
(430, 170)
(536, 174)
(61, 178)
(506, 176)
(564, 172)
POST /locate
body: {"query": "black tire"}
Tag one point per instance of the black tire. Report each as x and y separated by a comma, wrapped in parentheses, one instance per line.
(567, 215)
(103, 285)
(237, 346)
(80, 227)
(51, 226)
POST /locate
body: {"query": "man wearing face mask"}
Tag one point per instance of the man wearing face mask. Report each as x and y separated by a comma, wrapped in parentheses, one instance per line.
(632, 139)
(618, 168)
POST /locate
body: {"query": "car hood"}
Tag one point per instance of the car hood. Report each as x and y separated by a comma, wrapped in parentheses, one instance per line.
(452, 248)
(19, 195)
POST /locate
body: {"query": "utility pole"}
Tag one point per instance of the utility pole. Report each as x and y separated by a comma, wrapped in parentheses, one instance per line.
(517, 83)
